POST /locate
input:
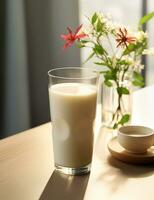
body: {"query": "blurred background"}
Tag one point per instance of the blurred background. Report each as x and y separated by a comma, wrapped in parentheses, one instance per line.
(31, 45)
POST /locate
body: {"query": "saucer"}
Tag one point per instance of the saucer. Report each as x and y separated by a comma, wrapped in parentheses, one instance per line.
(118, 152)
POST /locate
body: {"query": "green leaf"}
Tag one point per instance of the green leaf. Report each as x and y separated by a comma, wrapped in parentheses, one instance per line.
(98, 49)
(138, 76)
(125, 118)
(99, 26)
(138, 79)
(123, 62)
(138, 83)
(100, 63)
(129, 49)
(84, 41)
(146, 18)
(110, 75)
(122, 90)
(80, 45)
(94, 18)
(89, 57)
(108, 83)
(115, 126)
(137, 48)
(103, 72)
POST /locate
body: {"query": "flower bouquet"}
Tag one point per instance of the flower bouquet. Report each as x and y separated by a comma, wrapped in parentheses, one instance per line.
(117, 50)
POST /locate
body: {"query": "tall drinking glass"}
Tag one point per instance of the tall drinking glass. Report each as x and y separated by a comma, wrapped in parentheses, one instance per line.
(72, 95)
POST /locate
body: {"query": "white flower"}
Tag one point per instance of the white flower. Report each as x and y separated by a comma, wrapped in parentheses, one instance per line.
(138, 67)
(129, 60)
(149, 51)
(141, 35)
(102, 17)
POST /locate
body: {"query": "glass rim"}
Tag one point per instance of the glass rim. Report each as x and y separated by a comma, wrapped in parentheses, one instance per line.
(74, 68)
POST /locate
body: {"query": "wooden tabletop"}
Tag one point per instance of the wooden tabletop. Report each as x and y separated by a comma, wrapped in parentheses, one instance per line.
(26, 164)
(27, 170)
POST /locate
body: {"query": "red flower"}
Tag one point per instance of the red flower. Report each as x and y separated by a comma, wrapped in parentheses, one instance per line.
(71, 37)
(123, 38)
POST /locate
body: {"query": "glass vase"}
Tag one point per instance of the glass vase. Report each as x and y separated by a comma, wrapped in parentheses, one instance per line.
(114, 106)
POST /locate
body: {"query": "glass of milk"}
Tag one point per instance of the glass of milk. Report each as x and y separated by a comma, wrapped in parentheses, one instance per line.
(72, 95)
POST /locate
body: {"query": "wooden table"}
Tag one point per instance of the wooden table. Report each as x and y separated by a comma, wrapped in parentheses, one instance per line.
(27, 170)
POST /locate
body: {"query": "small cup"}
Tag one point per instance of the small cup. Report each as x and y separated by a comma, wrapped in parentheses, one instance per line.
(136, 139)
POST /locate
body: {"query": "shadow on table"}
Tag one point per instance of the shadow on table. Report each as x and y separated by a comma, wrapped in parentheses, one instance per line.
(61, 187)
(130, 170)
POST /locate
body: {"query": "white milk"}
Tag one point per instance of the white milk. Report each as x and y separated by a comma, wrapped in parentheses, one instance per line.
(73, 107)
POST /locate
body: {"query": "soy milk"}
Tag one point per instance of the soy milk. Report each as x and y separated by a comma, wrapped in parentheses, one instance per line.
(73, 108)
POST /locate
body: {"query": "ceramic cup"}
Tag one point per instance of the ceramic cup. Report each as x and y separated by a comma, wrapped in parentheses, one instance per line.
(136, 139)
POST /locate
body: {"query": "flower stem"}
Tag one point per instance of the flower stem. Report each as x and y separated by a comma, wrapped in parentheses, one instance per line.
(110, 44)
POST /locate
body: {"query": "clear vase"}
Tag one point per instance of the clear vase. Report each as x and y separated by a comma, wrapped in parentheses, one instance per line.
(115, 107)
